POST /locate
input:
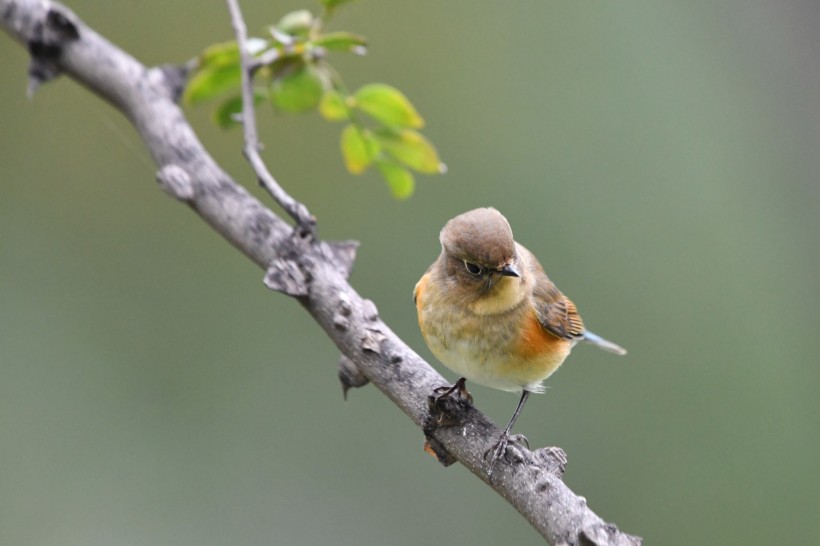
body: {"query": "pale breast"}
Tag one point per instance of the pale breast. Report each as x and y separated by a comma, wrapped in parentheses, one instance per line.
(485, 348)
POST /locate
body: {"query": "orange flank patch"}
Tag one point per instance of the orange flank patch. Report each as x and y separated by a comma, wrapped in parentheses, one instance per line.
(537, 342)
(417, 291)
(417, 295)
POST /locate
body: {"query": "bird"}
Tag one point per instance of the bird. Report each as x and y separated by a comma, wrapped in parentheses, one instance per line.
(489, 312)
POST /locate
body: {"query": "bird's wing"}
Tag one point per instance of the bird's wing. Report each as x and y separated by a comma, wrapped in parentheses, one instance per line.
(557, 314)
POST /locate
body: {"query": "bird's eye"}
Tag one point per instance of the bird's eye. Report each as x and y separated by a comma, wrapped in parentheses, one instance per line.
(473, 269)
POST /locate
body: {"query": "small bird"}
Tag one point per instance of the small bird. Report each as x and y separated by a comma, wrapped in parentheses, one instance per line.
(488, 311)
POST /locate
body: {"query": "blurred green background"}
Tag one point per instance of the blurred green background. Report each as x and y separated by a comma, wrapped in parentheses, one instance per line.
(660, 158)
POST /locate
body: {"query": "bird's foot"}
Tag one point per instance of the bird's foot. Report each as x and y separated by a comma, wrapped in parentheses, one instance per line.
(459, 387)
(500, 449)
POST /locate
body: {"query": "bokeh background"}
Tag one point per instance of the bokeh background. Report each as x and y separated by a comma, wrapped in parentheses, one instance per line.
(660, 157)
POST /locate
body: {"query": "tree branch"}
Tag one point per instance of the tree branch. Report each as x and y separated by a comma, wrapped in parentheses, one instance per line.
(297, 211)
(313, 271)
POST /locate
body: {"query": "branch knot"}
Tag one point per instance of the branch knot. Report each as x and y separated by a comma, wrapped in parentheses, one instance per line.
(285, 275)
(176, 182)
(46, 47)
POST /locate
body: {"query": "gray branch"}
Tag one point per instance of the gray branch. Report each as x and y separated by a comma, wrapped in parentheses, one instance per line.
(309, 269)
(299, 212)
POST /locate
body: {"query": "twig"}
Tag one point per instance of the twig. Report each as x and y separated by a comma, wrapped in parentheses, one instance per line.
(305, 222)
(60, 42)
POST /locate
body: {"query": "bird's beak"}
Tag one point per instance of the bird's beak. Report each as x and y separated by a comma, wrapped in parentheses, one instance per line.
(510, 270)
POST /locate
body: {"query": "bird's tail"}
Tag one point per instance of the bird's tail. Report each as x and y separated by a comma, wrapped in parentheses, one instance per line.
(604, 344)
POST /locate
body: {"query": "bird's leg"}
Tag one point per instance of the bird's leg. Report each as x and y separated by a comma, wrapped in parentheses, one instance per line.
(500, 447)
(459, 386)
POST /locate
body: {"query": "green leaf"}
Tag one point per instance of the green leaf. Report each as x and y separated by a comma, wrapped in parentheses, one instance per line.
(412, 149)
(225, 116)
(388, 105)
(359, 148)
(228, 52)
(399, 179)
(212, 81)
(342, 41)
(218, 70)
(222, 53)
(299, 90)
(332, 106)
(296, 23)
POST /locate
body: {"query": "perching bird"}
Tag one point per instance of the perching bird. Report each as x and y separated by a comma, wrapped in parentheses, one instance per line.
(488, 311)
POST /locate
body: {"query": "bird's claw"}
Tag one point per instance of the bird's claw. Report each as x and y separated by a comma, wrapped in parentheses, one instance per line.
(499, 449)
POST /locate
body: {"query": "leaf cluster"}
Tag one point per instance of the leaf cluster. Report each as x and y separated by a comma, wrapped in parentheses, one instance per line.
(292, 72)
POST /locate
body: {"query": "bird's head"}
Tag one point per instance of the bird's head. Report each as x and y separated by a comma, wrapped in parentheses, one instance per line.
(479, 254)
